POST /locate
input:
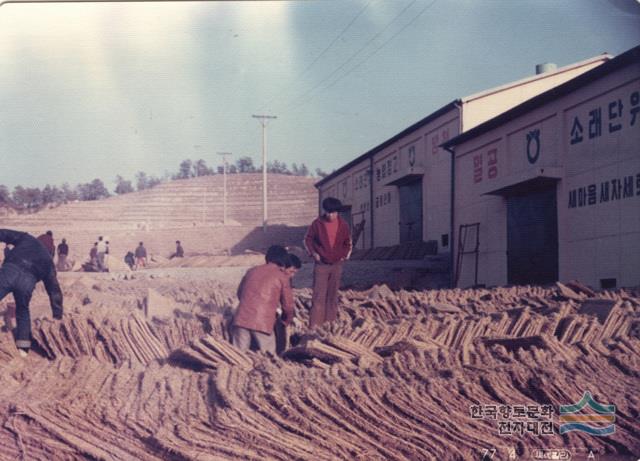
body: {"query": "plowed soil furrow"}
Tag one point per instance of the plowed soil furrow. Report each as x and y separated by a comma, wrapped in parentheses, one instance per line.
(376, 428)
(326, 426)
(393, 378)
(334, 409)
(376, 414)
(413, 406)
(322, 431)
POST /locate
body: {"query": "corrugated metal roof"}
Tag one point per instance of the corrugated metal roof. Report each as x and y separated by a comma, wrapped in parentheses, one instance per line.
(444, 109)
(536, 77)
(629, 57)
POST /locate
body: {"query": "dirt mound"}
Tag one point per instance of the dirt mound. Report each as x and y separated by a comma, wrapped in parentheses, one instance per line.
(186, 202)
(400, 375)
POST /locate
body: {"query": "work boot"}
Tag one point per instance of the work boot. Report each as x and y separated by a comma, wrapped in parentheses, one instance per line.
(23, 352)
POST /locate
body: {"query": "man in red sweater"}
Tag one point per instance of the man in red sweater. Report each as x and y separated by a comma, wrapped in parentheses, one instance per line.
(328, 241)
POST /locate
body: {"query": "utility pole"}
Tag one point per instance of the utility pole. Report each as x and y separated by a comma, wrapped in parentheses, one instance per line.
(204, 205)
(264, 119)
(224, 185)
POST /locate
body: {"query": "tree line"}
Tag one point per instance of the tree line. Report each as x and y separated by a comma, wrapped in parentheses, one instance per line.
(34, 198)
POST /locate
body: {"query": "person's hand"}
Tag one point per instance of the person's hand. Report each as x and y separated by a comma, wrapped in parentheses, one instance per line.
(316, 257)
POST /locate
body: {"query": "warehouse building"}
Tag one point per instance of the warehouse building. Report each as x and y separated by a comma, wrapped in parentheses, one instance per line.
(550, 190)
(400, 191)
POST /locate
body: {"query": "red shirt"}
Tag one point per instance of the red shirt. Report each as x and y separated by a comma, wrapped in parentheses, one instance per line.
(332, 231)
(317, 241)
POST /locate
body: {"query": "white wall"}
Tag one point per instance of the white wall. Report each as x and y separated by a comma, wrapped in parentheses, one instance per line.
(600, 233)
(436, 186)
(598, 238)
(476, 170)
(418, 153)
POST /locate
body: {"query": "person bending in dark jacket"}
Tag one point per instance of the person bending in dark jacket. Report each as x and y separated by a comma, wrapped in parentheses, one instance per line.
(262, 289)
(28, 263)
(328, 242)
(129, 259)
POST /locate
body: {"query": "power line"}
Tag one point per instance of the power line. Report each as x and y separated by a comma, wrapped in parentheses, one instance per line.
(322, 53)
(360, 50)
(383, 45)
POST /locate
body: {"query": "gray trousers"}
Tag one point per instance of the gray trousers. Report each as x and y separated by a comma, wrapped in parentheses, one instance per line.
(242, 340)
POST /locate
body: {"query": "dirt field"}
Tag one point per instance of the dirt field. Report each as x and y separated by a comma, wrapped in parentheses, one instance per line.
(140, 368)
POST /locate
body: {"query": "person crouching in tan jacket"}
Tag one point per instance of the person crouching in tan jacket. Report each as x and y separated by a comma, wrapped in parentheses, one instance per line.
(262, 289)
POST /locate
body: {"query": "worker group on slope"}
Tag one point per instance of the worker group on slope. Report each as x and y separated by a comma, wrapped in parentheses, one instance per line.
(265, 292)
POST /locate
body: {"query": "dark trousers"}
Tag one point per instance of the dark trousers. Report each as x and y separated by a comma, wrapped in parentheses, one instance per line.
(14, 280)
(326, 282)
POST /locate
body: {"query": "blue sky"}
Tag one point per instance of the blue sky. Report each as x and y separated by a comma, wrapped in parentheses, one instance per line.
(99, 89)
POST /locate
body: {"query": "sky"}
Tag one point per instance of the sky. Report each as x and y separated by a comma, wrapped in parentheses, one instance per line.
(95, 90)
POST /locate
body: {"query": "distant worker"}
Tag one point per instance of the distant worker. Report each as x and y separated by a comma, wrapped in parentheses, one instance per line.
(179, 251)
(101, 250)
(262, 289)
(27, 264)
(129, 259)
(93, 254)
(141, 256)
(47, 240)
(106, 255)
(63, 253)
(328, 242)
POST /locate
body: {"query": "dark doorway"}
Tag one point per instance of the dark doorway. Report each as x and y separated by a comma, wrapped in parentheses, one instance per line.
(532, 237)
(410, 196)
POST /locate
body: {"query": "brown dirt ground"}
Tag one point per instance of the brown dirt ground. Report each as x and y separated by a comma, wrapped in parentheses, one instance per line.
(141, 368)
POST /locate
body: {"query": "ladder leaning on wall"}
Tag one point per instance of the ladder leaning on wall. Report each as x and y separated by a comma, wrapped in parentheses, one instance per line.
(463, 235)
(358, 230)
